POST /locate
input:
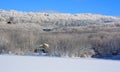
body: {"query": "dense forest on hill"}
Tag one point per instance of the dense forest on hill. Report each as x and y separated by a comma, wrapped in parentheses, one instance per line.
(72, 35)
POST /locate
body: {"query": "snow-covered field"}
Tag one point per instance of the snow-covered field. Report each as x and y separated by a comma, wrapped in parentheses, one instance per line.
(9, 63)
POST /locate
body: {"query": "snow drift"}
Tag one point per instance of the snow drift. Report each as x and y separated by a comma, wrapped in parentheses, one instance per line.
(54, 64)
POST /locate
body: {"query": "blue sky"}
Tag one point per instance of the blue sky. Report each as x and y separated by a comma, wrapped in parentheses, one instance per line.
(105, 7)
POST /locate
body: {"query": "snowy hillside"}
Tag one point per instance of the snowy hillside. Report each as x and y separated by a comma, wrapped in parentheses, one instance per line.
(49, 64)
(56, 19)
(68, 35)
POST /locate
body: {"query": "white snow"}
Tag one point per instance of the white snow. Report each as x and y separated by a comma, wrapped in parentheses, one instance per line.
(10, 63)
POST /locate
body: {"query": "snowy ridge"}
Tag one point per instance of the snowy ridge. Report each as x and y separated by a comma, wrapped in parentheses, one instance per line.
(53, 64)
(58, 19)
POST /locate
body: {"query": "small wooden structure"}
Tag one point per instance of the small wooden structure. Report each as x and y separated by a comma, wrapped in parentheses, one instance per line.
(43, 48)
